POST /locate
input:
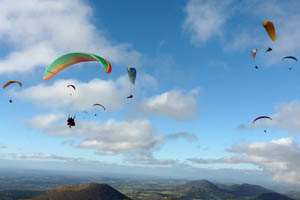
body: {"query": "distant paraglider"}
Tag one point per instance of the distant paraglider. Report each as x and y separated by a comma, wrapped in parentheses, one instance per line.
(73, 86)
(71, 121)
(289, 57)
(253, 53)
(130, 96)
(269, 49)
(261, 117)
(132, 74)
(11, 82)
(269, 27)
(256, 67)
(97, 104)
(73, 58)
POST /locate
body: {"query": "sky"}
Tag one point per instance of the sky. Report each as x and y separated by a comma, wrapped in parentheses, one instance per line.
(196, 94)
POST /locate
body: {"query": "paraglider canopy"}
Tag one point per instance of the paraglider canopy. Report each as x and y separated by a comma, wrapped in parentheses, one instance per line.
(253, 53)
(97, 104)
(130, 96)
(269, 27)
(289, 57)
(132, 74)
(261, 117)
(11, 82)
(73, 86)
(73, 58)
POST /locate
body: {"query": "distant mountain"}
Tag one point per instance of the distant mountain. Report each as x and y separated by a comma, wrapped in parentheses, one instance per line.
(272, 196)
(248, 190)
(92, 191)
(204, 189)
(293, 194)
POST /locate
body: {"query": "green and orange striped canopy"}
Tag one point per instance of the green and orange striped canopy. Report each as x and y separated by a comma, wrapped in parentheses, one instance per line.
(67, 60)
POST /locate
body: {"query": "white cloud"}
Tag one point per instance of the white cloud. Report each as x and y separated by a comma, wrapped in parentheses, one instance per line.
(37, 31)
(136, 139)
(110, 137)
(280, 157)
(113, 137)
(205, 19)
(106, 92)
(147, 158)
(172, 104)
(185, 135)
(42, 156)
(45, 121)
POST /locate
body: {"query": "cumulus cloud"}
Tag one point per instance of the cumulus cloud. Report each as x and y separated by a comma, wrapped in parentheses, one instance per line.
(37, 31)
(136, 139)
(205, 19)
(107, 92)
(184, 135)
(147, 158)
(173, 104)
(286, 117)
(110, 137)
(42, 156)
(280, 157)
(114, 137)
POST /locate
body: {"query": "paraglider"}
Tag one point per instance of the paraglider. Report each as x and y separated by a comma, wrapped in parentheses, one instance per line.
(71, 121)
(269, 49)
(256, 67)
(132, 74)
(130, 96)
(269, 27)
(73, 86)
(261, 117)
(11, 82)
(97, 104)
(253, 53)
(289, 57)
(67, 60)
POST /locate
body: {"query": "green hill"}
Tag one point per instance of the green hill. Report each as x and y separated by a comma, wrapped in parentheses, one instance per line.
(92, 191)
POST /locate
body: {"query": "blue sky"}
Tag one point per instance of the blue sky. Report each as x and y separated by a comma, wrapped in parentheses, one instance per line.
(195, 97)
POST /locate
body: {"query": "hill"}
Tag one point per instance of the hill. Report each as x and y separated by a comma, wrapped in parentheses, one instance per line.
(248, 190)
(204, 189)
(272, 196)
(92, 191)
